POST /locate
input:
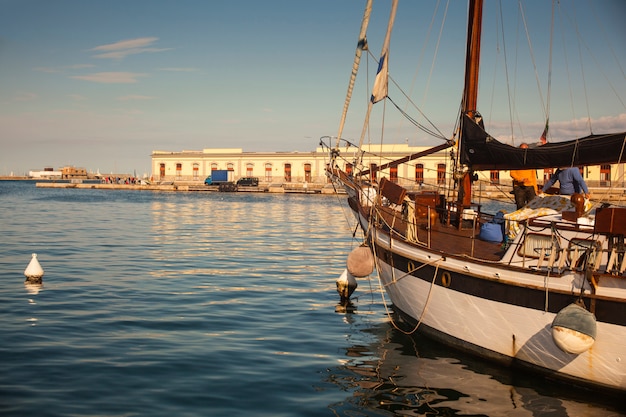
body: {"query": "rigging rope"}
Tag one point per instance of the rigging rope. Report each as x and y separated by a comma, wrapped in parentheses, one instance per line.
(381, 286)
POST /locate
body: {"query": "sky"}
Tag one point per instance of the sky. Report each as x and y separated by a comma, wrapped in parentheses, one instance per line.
(101, 84)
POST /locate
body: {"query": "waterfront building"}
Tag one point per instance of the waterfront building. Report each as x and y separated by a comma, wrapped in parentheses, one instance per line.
(46, 173)
(300, 167)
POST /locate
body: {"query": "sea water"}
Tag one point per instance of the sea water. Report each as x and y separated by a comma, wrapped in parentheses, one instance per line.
(221, 304)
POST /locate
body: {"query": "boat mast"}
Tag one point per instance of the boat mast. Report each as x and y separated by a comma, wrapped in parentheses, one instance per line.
(470, 93)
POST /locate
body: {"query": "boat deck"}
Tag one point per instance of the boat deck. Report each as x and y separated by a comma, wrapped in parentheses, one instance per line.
(444, 236)
(465, 241)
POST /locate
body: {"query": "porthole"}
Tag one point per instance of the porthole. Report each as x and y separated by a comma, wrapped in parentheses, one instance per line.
(446, 278)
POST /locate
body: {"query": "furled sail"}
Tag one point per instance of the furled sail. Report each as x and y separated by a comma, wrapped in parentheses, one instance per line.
(361, 46)
(480, 151)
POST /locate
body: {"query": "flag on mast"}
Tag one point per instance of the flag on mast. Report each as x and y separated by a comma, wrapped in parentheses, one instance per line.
(379, 91)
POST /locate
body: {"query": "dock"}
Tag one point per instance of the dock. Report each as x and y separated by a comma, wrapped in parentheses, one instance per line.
(615, 195)
(283, 188)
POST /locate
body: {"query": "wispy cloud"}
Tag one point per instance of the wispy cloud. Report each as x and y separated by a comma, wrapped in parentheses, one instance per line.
(49, 70)
(25, 96)
(77, 97)
(56, 70)
(561, 130)
(111, 77)
(132, 97)
(180, 69)
(122, 49)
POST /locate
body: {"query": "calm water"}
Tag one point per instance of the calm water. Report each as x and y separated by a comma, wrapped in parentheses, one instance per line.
(194, 304)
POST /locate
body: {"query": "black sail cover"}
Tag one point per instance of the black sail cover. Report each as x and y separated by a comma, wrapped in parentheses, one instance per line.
(481, 152)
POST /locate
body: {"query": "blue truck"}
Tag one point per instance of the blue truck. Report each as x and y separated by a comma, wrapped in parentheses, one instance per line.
(219, 176)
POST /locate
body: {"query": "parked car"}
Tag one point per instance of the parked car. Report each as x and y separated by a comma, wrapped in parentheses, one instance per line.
(248, 182)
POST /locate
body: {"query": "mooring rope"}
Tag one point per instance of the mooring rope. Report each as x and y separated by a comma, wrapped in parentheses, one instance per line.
(382, 291)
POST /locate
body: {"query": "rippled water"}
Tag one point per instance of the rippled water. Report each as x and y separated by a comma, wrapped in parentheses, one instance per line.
(190, 304)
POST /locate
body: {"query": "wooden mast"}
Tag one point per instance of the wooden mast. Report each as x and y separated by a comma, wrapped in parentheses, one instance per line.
(470, 93)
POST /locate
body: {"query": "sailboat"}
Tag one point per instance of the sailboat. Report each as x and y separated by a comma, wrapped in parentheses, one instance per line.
(548, 296)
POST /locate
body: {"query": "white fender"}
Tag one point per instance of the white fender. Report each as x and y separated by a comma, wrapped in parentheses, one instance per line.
(360, 262)
(574, 329)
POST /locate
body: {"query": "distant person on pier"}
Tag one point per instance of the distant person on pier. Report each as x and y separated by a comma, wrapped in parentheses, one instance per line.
(524, 184)
(570, 182)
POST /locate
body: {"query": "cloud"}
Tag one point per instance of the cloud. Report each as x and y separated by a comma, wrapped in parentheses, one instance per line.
(77, 97)
(55, 70)
(25, 96)
(135, 97)
(79, 66)
(179, 69)
(122, 49)
(49, 70)
(231, 121)
(111, 77)
(563, 129)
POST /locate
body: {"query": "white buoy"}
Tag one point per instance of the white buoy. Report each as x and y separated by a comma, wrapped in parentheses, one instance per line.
(574, 329)
(360, 261)
(34, 271)
(346, 284)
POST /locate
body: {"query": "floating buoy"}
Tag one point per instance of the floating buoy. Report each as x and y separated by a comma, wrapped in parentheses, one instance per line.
(574, 329)
(34, 271)
(346, 284)
(360, 262)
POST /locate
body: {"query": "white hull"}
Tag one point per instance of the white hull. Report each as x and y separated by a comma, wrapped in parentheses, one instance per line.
(513, 334)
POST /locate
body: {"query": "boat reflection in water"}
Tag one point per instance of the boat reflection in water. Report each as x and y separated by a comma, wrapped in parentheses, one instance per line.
(399, 374)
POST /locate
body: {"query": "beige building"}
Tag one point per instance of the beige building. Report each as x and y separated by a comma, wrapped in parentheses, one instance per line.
(299, 167)
(287, 167)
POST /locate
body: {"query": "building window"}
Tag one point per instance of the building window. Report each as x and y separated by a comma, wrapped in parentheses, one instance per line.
(393, 174)
(249, 167)
(230, 166)
(441, 174)
(419, 173)
(494, 177)
(307, 172)
(373, 172)
(288, 172)
(162, 170)
(349, 169)
(213, 166)
(605, 175)
(179, 169)
(196, 170)
(268, 172)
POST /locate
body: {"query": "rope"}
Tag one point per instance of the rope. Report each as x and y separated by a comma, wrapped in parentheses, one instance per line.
(382, 291)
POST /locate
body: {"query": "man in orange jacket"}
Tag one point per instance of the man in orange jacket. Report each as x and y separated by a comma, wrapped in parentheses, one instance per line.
(524, 184)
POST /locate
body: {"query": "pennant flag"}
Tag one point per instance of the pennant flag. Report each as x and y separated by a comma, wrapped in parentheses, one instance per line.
(379, 91)
(544, 136)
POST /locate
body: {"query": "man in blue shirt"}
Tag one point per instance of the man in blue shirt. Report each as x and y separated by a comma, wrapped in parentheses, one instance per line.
(570, 182)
